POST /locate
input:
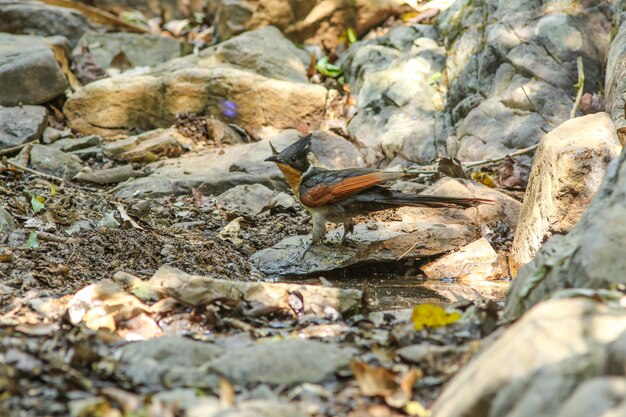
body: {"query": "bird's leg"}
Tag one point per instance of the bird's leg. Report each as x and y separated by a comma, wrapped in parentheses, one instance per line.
(348, 227)
(319, 232)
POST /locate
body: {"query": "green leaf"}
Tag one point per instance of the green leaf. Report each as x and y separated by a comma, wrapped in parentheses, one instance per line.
(37, 203)
(32, 241)
(434, 78)
(327, 69)
(351, 34)
(53, 189)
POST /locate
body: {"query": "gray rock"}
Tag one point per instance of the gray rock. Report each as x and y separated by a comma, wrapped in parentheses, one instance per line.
(170, 361)
(562, 351)
(29, 72)
(73, 144)
(19, 125)
(567, 170)
(589, 256)
(139, 49)
(247, 199)
(615, 82)
(7, 223)
(399, 109)
(219, 170)
(26, 17)
(501, 52)
(53, 161)
(597, 397)
(372, 242)
(285, 362)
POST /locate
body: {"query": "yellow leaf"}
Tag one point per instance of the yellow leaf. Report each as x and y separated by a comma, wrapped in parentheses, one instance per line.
(414, 408)
(484, 178)
(431, 315)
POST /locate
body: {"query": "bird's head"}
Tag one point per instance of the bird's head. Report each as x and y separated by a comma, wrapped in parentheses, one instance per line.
(294, 157)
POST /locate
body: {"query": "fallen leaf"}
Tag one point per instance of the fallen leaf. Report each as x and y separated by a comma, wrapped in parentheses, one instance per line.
(415, 408)
(64, 63)
(396, 389)
(32, 242)
(432, 315)
(484, 178)
(127, 218)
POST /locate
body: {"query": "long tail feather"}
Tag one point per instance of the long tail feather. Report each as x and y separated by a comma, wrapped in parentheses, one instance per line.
(434, 201)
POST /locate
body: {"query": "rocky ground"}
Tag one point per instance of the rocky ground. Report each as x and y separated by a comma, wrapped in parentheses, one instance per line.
(150, 259)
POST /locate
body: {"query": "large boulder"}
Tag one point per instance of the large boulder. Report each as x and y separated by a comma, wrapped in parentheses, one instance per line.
(511, 68)
(589, 256)
(29, 72)
(29, 17)
(19, 125)
(535, 367)
(567, 170)
(236, 87)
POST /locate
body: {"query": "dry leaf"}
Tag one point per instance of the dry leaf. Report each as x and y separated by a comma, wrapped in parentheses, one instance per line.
(484, 178)
(127, 218)
(64, 63)
(396, 389)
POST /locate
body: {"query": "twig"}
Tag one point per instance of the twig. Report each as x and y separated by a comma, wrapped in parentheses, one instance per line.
(535, 108)
(580, 84)
(118, 186)
(409, 250)
(32, 171)
(7, 151)
(501, 158)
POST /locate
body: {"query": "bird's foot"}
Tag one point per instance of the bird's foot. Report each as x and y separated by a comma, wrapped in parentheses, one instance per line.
(346, 241)
(306, 250)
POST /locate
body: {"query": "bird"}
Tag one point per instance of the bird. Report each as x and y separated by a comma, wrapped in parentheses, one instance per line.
(339, 195)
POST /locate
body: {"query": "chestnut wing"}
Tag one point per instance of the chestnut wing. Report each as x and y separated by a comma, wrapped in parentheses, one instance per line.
(328, 187)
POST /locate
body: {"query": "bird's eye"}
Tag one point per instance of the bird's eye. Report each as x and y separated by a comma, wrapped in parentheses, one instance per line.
(293, 159)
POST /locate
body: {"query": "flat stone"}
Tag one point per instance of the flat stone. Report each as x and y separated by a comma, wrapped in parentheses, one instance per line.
(146, 147)
(170, 361)
(474, 262)
(140, 50)
(371, 242)
(53, 161)
(26, 17)
(285, 362)
(29, 72)
(248, 199)
(505, 209)
(568, 168)
(19, 125)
